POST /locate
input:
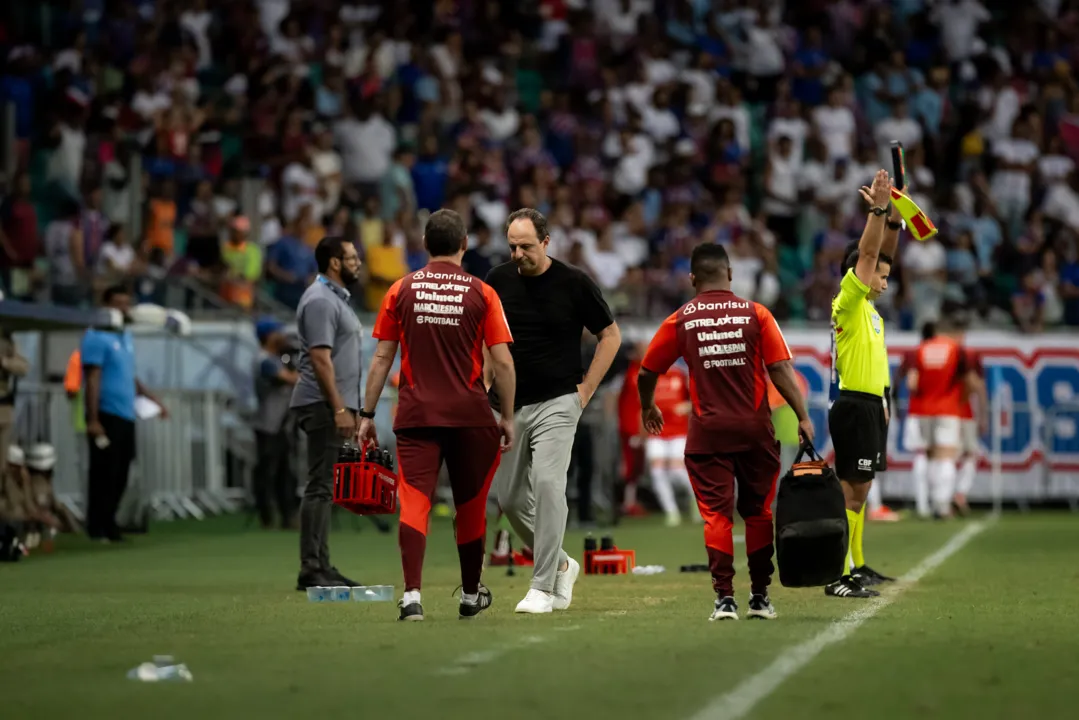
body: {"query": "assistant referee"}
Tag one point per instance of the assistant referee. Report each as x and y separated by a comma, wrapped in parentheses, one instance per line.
(858, 417)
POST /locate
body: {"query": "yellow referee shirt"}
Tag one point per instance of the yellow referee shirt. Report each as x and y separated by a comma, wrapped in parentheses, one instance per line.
(860, 355)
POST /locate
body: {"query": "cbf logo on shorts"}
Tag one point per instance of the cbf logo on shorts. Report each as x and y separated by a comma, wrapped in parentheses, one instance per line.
(865, 464)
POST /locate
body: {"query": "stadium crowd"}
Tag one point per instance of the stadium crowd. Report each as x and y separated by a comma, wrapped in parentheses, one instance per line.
(638, 127)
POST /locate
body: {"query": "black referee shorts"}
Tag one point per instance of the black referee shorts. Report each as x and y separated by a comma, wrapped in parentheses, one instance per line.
(859, 435)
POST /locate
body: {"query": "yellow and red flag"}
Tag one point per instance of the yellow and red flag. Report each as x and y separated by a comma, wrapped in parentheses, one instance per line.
(918, 223)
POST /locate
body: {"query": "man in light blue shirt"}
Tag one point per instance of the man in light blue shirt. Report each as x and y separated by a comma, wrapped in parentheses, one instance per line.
(108, 366)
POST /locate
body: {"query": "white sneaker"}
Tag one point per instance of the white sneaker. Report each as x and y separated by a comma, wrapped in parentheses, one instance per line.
(674, 519)
(536, 602)
(563, 585)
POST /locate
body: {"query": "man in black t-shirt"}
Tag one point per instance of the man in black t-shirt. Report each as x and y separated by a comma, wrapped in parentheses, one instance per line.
(548, 305)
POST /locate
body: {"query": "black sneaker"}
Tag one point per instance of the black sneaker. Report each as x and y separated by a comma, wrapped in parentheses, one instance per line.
(848, 587)
(726, 609)
(761, 607)
(867, 576)
(471, 610)
(314, 579)
(339, 579)
(412, 611)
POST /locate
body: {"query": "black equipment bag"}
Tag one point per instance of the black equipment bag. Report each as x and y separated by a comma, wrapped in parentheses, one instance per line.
(812, 536)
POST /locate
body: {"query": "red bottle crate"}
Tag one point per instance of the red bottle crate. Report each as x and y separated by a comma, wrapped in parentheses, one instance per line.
(609, 562)
(365, 488)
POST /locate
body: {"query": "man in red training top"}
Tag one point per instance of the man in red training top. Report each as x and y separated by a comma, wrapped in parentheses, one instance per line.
(666, 453)
(442, 317)
(731, 347)
(936, 379)
(630, 434)
(912, 432)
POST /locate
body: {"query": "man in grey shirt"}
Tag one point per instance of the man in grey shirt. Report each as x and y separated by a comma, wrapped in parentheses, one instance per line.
(326, 398)
(275, 430)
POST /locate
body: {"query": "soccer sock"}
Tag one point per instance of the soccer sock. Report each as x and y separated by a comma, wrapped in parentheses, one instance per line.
(857, 553)
(942, 475)
(470, 598)
(965, 481)
(661, 484)
(852, 527)
(411, 596)
(920, 472)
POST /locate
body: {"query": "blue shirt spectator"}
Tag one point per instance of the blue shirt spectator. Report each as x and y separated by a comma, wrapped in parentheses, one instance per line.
(114, 353)
(429, 176)
(19, 91)
(292, 265)
(810, 62)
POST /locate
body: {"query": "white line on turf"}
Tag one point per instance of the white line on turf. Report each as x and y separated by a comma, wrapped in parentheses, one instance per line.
(466, 663)
(743, 698)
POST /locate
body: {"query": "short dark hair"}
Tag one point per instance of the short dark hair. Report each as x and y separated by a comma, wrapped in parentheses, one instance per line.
(708, 261)
(929, 331)
(539, 222)
(445, 234)
(329, 247)
(852, 260)
(112, 291)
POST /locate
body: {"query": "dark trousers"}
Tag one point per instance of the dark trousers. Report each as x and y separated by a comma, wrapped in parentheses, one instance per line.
(109, 468)
(323, 446)
(471, 455)
(713, 477)
(581, 462)
(274, 482)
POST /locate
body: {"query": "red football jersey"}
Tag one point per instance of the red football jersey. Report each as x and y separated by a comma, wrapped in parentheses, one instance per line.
(727, 343)
(973, 362)
(442, 317)
(672, 394)
(940, 365)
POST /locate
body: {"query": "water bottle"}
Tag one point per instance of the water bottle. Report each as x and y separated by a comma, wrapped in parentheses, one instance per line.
(348, 453)
(163, 669)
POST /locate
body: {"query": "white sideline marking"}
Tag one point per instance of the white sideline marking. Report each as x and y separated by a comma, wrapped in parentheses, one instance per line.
(466, 663)
(743, 698)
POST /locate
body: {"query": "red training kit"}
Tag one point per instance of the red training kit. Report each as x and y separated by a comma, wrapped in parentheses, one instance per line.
(442, 317)
(941, 366)
(727, 343)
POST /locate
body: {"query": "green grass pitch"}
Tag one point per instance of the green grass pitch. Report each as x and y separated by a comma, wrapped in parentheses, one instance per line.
(991, 633)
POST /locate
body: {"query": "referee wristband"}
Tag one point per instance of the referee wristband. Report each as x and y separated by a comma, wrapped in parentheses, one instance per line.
(895, 225)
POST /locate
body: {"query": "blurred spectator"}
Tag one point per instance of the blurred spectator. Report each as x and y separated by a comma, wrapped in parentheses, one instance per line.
(386, 264)
(117, 258)
(290, 263)
(65, 250)
(242, 264)
(19, 241)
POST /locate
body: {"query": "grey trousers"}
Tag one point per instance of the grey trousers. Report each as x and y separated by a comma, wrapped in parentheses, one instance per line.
(323, 446)
(531, 481)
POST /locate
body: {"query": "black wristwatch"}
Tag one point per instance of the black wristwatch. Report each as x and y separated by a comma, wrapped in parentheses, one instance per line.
(878, 211)
(364, 414)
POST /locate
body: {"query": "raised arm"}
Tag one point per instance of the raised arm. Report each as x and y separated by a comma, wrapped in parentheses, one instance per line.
(869, 246)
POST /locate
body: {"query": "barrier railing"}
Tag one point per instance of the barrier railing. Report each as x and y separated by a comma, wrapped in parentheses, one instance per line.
(184, 463)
